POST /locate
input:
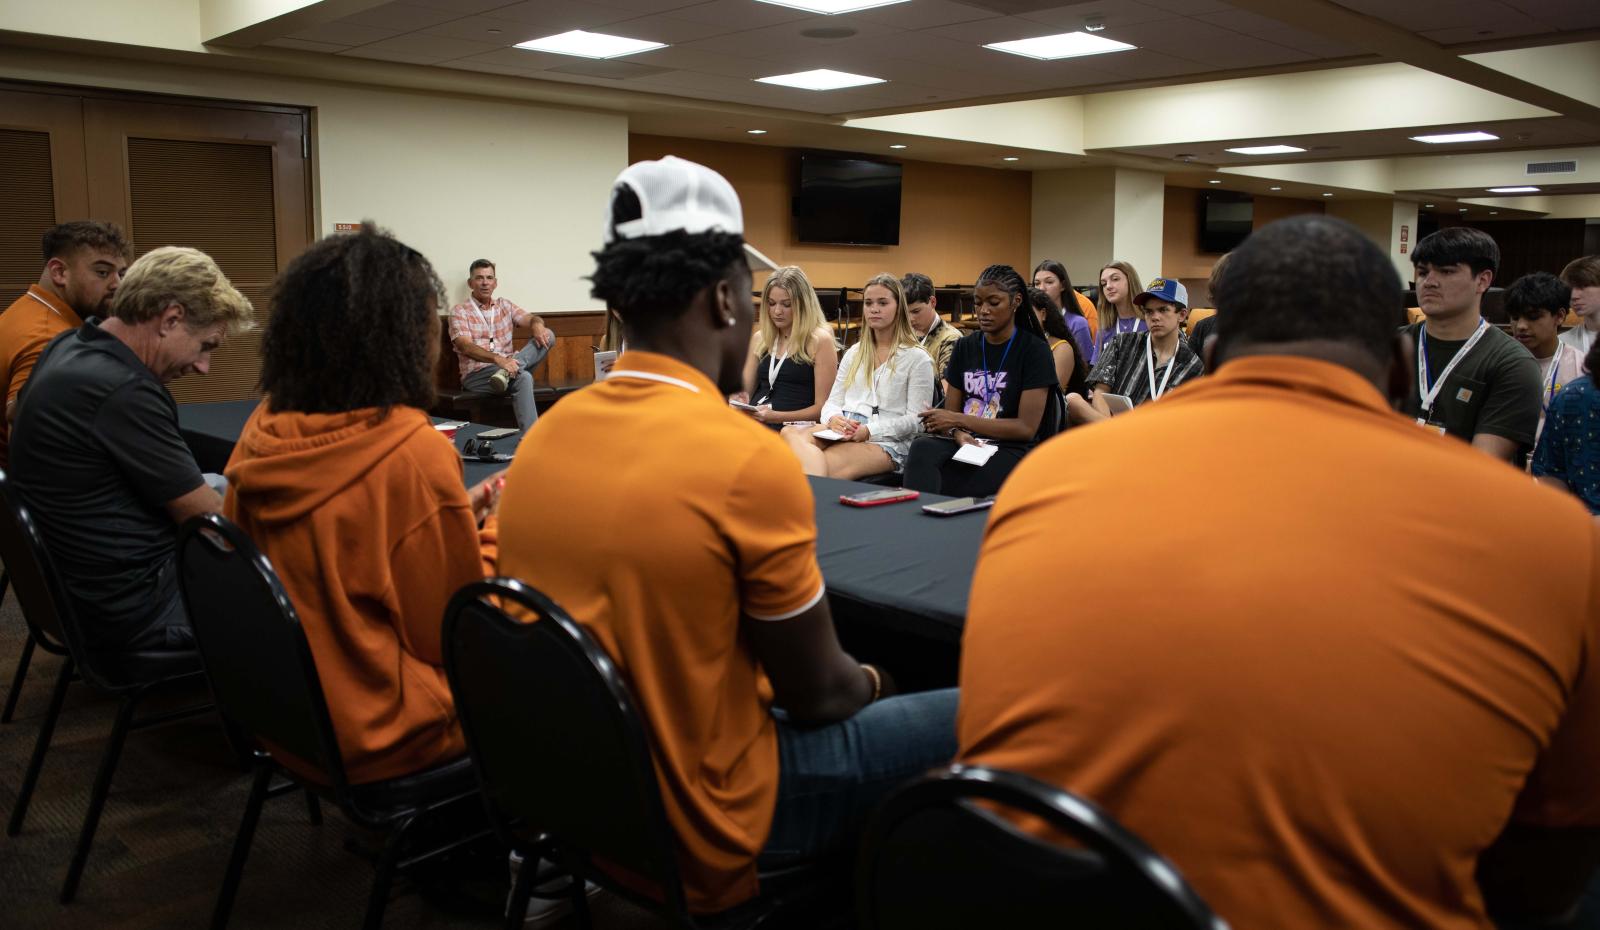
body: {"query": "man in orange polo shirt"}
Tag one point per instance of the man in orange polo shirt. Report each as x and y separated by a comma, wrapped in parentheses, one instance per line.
(684, 539)
(1340, 689)
(83, 264)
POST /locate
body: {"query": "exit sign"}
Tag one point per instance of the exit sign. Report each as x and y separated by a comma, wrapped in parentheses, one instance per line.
(346, 227)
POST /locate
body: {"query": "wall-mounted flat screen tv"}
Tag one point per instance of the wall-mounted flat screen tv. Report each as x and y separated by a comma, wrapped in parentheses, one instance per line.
(1225, 219)
(848, 201)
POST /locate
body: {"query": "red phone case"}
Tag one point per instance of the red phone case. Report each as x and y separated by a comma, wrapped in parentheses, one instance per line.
(904, 496)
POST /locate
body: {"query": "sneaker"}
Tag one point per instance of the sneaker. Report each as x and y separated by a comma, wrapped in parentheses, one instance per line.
(500, 381)
(546, 912)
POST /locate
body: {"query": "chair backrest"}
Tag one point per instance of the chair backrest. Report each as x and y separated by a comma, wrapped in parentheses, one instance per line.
(45, 607)
(554, 735)
(262, 675)
(934, 858)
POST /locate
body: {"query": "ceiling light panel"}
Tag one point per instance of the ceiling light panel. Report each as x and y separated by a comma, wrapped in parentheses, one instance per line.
(820, 79)
(1449, 137)
(1064, 45)
(832, 7)
(1267, 150)
(1513, 190)
(590, 45)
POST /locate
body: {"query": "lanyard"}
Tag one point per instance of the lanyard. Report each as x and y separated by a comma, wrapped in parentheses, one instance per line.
(484, 318)
(1555, 374)
(46, 303)
(1150, 368)
(937, 322)
(774, 364)
(1427, 388)
(988, 379)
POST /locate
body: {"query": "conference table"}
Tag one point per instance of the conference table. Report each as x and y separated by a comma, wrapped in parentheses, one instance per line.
(897, 578)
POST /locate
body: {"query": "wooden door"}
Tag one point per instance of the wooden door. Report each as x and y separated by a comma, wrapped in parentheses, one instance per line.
(42, 180)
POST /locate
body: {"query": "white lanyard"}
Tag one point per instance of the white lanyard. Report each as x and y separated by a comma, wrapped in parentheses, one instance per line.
(923, 342)
(774, 364)
(1150, 368)
(484, 317)
(1424, 391)
(45, 302)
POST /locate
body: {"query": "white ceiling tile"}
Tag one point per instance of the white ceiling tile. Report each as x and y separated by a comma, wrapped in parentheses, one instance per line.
(742, 14)
(1482, 32)
(306, 45)
(342, 33)
(1274, 31)
(651, 6)
(785, 42)
(405, 17)
(1189, 7)
(1565, 15)
(999, 29)
(477, 29)
(1246, 52)
(1114, 15)
(932, 48)
(467, 64)
(562, 15)
(459, 7)
(920, 14)
(433, 48)
(666, 29)
(381, 54)
(519, 59)
(690, 59)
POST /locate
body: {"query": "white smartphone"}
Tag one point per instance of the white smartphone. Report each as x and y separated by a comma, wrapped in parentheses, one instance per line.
(959, 505)
(1118, 403)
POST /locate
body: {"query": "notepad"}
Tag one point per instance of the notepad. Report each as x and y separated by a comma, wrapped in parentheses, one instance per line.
(975, 454)
(831, 434)
(603, 362)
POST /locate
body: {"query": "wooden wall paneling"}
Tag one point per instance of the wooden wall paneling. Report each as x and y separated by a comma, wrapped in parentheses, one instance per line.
(232, 182)
(42, 179)
(571, 359)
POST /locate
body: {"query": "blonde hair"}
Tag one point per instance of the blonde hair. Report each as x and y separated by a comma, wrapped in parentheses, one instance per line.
(189, 278)
(867, 349)
(807, 317)
(1107, 312)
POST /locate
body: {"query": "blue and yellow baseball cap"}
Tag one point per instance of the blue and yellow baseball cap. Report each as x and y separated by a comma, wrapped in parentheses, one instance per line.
(1164, 289)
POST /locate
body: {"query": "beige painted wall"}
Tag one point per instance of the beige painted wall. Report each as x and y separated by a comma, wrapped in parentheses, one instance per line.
(455, 177)
(1086, 217)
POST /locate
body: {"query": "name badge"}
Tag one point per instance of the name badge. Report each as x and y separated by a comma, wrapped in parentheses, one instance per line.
(1431, 427)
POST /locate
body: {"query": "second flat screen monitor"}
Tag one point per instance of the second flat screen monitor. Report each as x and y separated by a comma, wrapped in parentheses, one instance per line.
(851, 201)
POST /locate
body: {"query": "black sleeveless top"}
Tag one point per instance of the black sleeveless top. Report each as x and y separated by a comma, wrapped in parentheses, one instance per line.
(794, 388)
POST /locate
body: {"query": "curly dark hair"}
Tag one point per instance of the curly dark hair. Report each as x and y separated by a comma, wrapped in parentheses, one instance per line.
(354, 324)
(651, 281)
(64, 239)
(1537, 293)
(1006, 278)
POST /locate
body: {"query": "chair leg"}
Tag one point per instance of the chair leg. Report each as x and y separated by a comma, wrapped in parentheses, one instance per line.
(378, 901)
(313, 809)
(21, 673)
(521, 891)
(241, 846)
(97, 798)
(580, 903)
(46, 728)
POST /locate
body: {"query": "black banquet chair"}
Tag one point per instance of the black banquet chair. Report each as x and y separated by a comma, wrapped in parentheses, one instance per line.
(265, 683)
(936, 856)
(563, 760)
(54, 626)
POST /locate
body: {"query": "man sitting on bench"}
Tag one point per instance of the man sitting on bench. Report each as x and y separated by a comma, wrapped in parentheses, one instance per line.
(480, 332)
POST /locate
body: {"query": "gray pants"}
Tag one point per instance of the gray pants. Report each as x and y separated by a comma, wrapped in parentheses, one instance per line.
(521, 388)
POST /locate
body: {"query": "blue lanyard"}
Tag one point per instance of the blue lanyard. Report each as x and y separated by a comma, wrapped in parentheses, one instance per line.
(988, 379)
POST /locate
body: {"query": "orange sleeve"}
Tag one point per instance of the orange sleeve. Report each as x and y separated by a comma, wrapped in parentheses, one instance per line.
(1561, 790)
(772, 524)
(1089, 313)
(22, 367)
(428, 566)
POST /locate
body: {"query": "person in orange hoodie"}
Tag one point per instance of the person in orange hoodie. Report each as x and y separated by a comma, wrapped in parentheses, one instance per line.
(342, 481)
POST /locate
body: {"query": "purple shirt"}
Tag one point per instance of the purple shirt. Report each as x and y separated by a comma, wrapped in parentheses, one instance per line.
(1083, 343)
(1134, 325)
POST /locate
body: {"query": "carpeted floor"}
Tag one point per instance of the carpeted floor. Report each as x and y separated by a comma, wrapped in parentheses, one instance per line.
(168, 826)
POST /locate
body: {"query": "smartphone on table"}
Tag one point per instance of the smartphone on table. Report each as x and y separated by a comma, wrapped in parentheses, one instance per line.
(958, 505)
(877, 498)
(497, 433)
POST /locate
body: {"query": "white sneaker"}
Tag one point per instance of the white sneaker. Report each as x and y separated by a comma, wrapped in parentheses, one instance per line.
(500, 381)
(545, 912)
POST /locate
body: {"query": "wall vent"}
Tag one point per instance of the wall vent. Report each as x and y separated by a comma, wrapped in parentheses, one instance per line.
(1552, 167)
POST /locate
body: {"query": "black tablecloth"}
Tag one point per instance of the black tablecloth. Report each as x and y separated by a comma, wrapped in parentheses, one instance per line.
(893, 567)
(212, 429)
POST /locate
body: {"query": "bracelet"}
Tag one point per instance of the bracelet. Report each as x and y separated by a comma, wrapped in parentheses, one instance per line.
(877, 681)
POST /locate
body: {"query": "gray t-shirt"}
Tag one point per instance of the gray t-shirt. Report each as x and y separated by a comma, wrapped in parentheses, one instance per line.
(1494, 390)
(95, 455)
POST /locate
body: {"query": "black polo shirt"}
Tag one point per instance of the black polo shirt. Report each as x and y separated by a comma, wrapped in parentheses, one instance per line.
(95, 455)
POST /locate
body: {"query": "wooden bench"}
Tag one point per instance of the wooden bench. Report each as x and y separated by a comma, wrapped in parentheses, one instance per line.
(568, 367)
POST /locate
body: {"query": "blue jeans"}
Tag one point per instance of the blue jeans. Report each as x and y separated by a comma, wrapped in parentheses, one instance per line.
(831, 777)
(521, 387)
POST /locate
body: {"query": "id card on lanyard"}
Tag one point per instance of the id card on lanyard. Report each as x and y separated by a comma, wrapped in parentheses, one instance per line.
(1150, 369)
(1428, 388)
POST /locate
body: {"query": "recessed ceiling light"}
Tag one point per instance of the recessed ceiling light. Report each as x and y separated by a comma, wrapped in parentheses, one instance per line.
(1494, 212)
(1213, 181)
(1513, 190)
(1462, 210)
(1274, 188)
(1094, 27)
(1065, 45)
(1010, 158)
(820, 79)
(898, 145)
(1327, 195)
(1266, 150)
(756, 132)
(830, 7)
(589, 45)
(1428, 205)
(1456, 137)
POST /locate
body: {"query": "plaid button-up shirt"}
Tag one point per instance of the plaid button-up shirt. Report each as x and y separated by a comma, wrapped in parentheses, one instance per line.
(488, 326)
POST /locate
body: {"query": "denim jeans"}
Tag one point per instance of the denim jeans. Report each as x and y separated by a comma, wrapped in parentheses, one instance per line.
(521, 387)
(832, 776)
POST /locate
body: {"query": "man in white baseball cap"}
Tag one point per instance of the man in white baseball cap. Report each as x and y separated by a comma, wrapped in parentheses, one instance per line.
(684, 539)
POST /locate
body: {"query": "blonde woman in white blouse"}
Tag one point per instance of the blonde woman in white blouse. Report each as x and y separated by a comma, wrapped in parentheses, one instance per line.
(884, 382)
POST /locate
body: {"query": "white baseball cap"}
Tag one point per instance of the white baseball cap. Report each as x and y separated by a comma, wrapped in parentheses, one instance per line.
(675, 195)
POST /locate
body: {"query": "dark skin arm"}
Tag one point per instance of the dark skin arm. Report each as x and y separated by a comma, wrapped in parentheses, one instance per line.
(1019, 428)
(813, 678)
(1537, 874)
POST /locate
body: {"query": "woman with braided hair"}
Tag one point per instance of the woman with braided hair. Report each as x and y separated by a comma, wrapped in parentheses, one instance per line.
(1002, 396)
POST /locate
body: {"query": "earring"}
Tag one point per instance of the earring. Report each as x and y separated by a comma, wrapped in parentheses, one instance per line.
(730, 321)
